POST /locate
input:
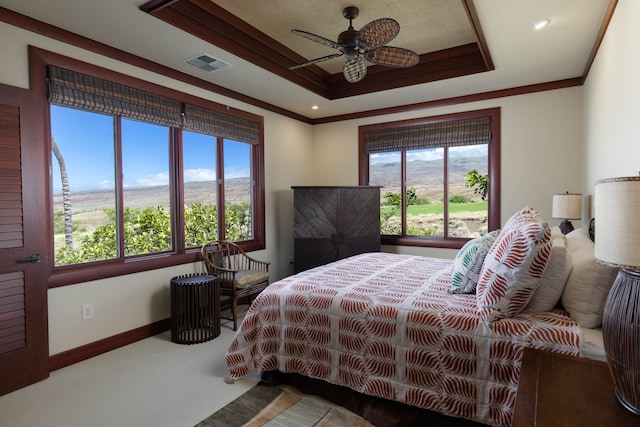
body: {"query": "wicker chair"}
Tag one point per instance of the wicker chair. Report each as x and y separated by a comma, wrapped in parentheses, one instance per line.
(239, 275)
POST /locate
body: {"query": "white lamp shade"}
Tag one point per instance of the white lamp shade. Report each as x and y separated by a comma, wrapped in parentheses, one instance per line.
(617, 213)
(567, 206)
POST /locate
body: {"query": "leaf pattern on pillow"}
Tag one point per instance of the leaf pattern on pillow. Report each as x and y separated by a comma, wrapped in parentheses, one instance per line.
(468, 263)
(541, 259)
(511, 250)
(514, 267)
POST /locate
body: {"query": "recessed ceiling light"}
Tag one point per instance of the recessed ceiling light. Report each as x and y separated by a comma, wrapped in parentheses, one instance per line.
(538, 25)
(315, 107)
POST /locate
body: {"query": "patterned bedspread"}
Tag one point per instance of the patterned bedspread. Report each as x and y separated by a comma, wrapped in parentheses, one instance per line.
(385, 325)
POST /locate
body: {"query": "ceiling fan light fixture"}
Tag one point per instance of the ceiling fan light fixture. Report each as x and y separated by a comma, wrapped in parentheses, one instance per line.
(354, 70)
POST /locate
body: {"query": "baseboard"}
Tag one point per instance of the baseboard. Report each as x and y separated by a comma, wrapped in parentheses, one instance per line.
(93, 349)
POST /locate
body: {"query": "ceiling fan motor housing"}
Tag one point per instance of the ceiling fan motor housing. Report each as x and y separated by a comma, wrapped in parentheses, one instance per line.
(347, 39)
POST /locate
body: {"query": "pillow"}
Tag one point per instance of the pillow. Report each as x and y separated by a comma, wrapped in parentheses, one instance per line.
(556, 232)
(588, 285)
(513, 266)
(468, 262)
(554, 278)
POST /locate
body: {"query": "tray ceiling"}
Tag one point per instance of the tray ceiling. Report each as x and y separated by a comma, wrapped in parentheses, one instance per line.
(445, 34)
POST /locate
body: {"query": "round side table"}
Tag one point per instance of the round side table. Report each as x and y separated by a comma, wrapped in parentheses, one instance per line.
(195, 312)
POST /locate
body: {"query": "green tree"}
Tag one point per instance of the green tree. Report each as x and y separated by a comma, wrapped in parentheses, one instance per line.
(392, 203)
(479, 183)
(458, 198)
(148, 230)
(200, 224)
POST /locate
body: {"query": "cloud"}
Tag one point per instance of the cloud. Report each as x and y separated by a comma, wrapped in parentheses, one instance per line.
(190, 175)
(237, 173)
(431, 154)
(161, 178)
(199, 174)
(106, 184)
(426, 155)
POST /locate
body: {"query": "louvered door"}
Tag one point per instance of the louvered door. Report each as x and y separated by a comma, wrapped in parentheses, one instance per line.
(23, 293)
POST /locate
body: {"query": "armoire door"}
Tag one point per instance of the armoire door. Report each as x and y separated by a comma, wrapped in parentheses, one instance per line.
(358, 221)
(24, 345)
(315, 227)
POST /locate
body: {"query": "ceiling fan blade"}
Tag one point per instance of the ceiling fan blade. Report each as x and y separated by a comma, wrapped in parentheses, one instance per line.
(313, 61)
(316, 38)
(354, 69)
(392, 57)
(377, 33)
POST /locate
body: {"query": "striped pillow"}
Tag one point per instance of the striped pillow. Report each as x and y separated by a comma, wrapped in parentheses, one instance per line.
(468, 262)
(514, 266)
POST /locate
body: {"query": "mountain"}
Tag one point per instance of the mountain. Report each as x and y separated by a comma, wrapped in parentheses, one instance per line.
(427, 176)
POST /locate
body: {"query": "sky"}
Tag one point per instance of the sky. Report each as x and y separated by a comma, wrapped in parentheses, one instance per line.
(431, 154)
(86, 143)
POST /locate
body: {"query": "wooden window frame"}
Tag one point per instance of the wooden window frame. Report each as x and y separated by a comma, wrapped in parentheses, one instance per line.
(66, 275)
(493, 168)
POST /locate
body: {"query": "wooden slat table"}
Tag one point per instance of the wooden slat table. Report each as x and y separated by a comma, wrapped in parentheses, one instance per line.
(195, 308)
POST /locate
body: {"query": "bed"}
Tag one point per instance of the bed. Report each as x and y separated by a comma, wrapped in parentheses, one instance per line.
(394, 327)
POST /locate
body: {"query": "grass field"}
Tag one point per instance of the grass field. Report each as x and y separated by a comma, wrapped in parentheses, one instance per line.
(438, 208)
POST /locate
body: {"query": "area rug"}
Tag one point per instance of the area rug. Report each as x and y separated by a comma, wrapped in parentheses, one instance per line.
(265, 405)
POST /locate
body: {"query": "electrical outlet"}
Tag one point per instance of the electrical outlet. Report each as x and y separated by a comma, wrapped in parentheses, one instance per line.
(87, 311)
(291, 261)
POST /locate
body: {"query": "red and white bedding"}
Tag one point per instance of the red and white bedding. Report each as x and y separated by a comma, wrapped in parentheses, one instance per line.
(386, 325)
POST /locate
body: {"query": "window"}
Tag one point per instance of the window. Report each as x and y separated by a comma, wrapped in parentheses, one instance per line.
(200, 188)
(138, 176)
(83, 181)
(439, 177)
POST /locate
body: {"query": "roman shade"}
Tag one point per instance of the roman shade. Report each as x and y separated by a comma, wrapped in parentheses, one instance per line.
(78, 90)
(219, 124)
(451, 133)
(73, 89)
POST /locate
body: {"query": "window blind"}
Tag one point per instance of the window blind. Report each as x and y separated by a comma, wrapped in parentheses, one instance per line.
(470, 131)
(216, 123)
(73, 89)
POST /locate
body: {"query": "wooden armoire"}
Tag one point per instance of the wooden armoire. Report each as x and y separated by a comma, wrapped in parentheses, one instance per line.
(331, 223)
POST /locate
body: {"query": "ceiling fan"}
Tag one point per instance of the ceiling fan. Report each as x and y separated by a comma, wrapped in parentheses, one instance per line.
(366, 44)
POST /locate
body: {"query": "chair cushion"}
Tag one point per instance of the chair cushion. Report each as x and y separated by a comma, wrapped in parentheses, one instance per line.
(246, 278)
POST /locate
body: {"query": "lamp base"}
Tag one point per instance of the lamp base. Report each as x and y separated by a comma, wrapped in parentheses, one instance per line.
(626, 405)
(621, 336)
(566, 227)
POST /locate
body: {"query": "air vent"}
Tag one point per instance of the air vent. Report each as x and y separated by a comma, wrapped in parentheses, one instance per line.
(207, 63)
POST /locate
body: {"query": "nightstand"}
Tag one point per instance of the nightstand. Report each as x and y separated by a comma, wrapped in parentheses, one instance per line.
(559, 390)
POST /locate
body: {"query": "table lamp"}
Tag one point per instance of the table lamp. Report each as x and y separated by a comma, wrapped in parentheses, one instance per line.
(617, 209)
(567, 206)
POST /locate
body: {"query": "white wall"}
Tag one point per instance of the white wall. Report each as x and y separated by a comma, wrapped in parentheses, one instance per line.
(541, 148)
(128, 302)
(612, 103)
